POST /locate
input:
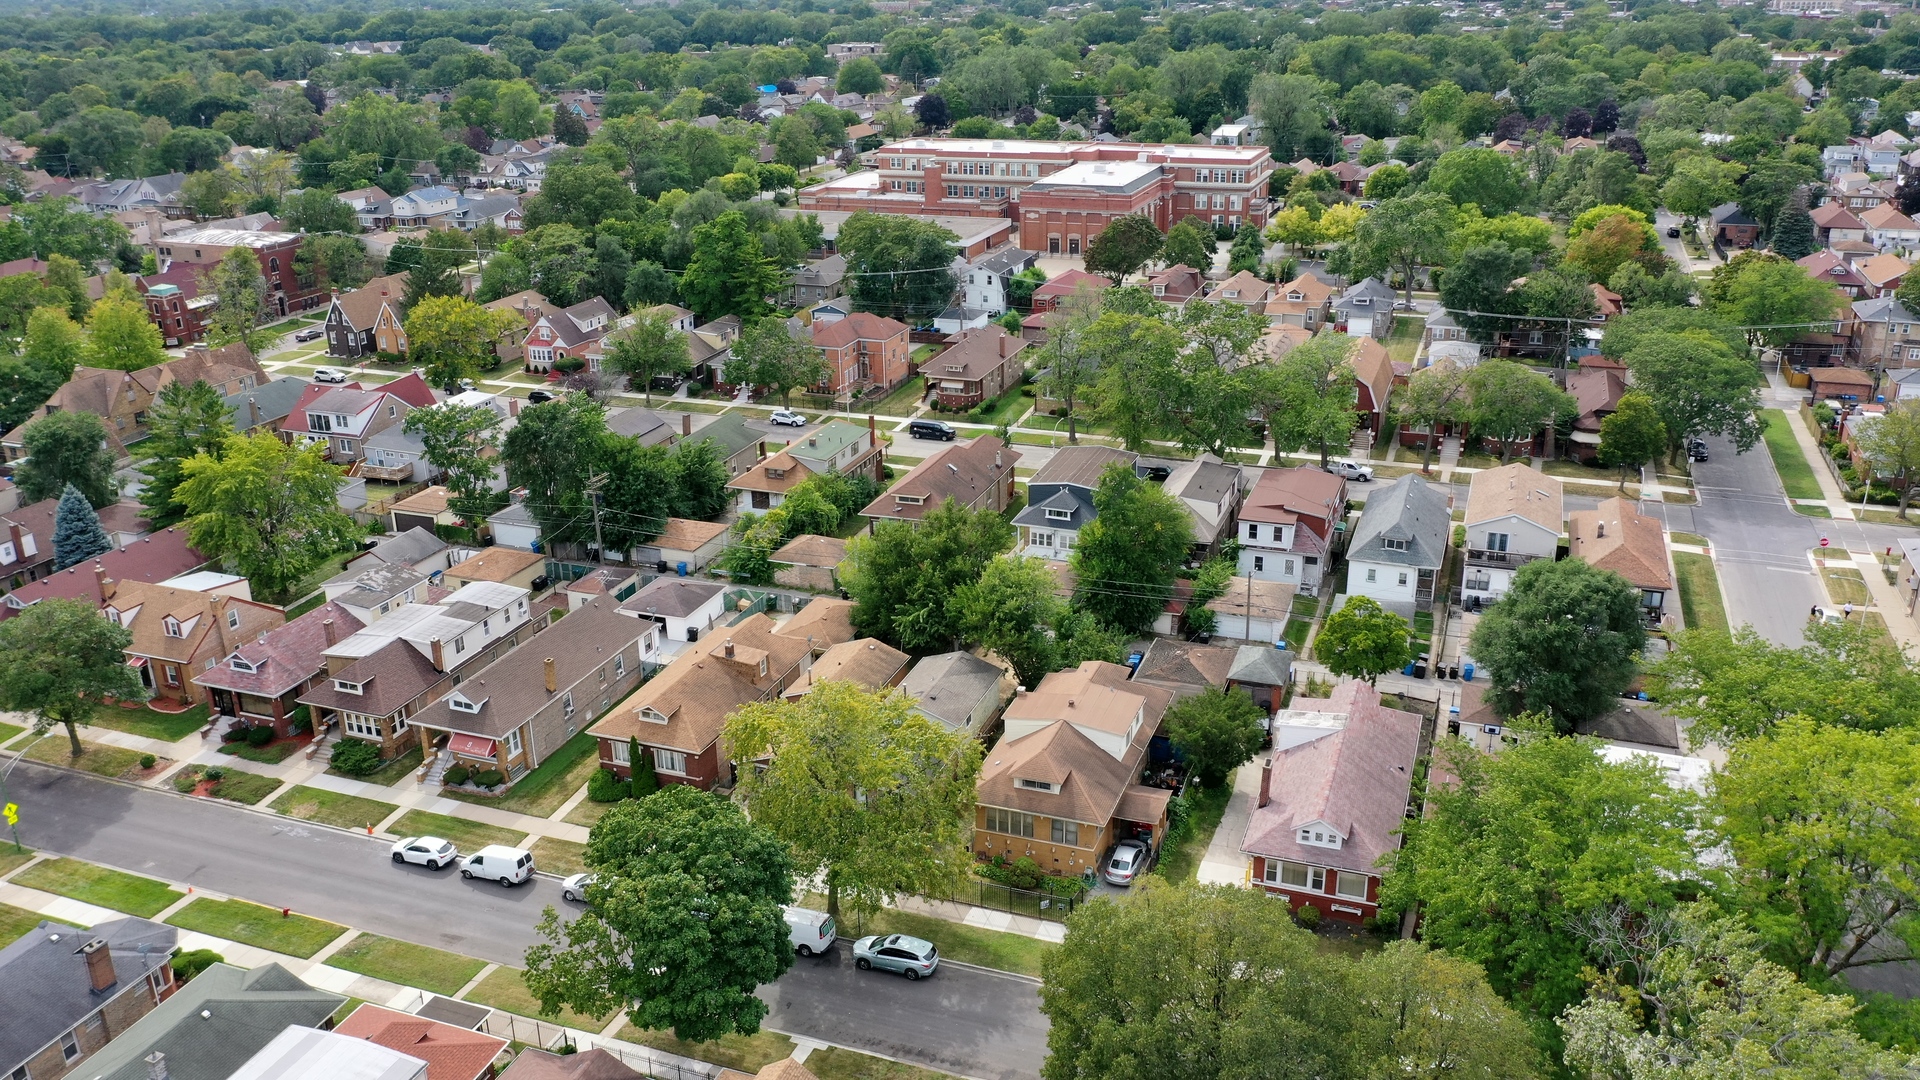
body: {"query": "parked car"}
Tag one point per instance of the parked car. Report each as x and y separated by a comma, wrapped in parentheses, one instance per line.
(1351, 470)
(932, 429)
(1673, 231)
(787, 418)
(810, 931)
(1128, 861)
(497, 862)
(428, 851)
(539, 397)
(460, 387)
(575, 887)
(910, 956)
(328, 374)
(1697, 450)
(668, 383)
(314, 334)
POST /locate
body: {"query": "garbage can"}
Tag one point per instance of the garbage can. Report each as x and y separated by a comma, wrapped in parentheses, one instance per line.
(682, 568)
(1420, 667)
(1466, 671)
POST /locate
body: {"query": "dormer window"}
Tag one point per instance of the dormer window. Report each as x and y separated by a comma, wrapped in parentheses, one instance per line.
(459, 703)
(171, 626)
(1320, 837)
(910, 500)
(241, 663)
(1037, 785)
(346, 687)
(1392, 544)
(1057, 514)
(113, 616)
(651, 715)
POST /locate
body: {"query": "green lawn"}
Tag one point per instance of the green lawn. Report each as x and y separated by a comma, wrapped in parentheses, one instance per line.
(15, 922)
(1297, 633)
(1796, 472)
(306, 605)
(835, 1063)
(94, 757)
(234, 785)
(166, 727)
(1700, 602)
(333, 808)
(548, 787)
(273, 753)
(1005, 409)
(331, 566)
(563, 857)
(10, 859)
(588, 813)
(746, 1053)
(504, 989)
(407, 964)
(261, 927)
(904, 399)
(98, 885)
(8, 731)
(1846, 585)
(957, 941)
(1812, 510)
(1694, 539)
(389, 774)
(1404, 340)
(346, 1009)
(468, 836)
(1210, 805)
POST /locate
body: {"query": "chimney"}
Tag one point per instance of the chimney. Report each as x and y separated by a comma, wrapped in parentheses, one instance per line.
(253, 412)
(99, 956)
(729, 648)
(100, 579)
(686, 424)
(1599, 529)
(326, 627)
(157, 1066)
(553, 678)
(513, 406)
(439, 656)
(1266, 781)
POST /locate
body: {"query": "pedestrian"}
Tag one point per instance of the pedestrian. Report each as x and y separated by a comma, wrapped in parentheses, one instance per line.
(1848, 610)
(1814, 615)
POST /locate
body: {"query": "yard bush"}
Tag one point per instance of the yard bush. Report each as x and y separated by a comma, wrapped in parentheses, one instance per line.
(456, 775)
(188, 964)
(214, 774)
(644, 782)
(259, 735)
(356, 757)
(147, 760)
(236, 733)
(604, 786)
(1308, 916)
(490, 779)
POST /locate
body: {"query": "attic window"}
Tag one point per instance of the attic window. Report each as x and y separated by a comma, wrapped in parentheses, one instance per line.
(1036, 785)
(651, 715)
(1057, 514)
(910, 500)
(239, 663)
(171, 626)
(346, 687)
(461, 704)
(1391, 544)
(113, 616)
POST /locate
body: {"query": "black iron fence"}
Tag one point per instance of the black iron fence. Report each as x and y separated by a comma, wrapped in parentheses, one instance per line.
(994, 897)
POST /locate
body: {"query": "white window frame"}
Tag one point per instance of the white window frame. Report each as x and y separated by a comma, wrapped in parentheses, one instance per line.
(618, 751)
(514, 744)
(669, 761)
(1340, 885)
(1009, 822)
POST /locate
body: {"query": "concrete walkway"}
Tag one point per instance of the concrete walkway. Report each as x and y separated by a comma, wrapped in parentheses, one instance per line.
(1224, 863)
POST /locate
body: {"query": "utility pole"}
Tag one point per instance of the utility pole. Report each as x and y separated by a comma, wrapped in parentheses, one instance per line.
(594, 484)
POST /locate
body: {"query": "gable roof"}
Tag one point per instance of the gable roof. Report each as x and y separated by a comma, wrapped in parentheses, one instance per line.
(1519, 490)
(1091, 781)
(1187, 663)
(1408, 509)
(826, 620)
(1883, 268)
(810, 550)
(1887, 217)
(948, 686)
(962, 472)
(595, 1064)
(703, 686)
(1283, 496)
(1615, 536)
(673, 597)
(49, 989)
(358, 308)
(495, 564)
(145, 606)
(685, 534)
(284, 657)
(1373, 367)
(389, 677)
(1080, 466)
(248, 1009)
(451, 1053)
(1069, 283)
(865, 662)
(1595, 390)
(1833, 214)
(1245, 287)
(514, 687)
(152, 558)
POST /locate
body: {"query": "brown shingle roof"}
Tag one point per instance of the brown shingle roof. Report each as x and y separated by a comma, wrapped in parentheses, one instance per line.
(285, 656)
(1186, 663)
(810, 550)
(778, 474)
(595, 1064)
(1372, 366)
(1080, 466)
(825, 621)
(514, 687)
(1516, 489)
(202, 617)
(864, 662)
(389, 677)
(361, 306)
(1091, 781)
(1615, 536)
(975, 353)
(155, 557)
(684, 535)
(494, 564)
(963, 472)
(1285, 495)
(858, 326)
(432, 500)
(701, 687)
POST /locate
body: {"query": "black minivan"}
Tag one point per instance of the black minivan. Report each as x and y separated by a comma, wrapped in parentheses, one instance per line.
(931, 429)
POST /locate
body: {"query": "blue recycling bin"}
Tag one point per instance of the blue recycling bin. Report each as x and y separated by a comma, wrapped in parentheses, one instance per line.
(1466, 671)
(682, 568)
(1408, 670)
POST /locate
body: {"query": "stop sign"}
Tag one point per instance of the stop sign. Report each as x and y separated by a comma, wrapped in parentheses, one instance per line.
(1823, 541)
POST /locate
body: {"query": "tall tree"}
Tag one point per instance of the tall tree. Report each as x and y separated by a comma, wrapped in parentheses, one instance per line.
(898, 266)
(1190, 244)
(1403, 234)
(648, 348)
(1891, 445)
(240, 300)
(59, 660)
(1698, 386)
(120, 336)
(463, 442)
(1124, 246)
(1510, 403)
(1363, 640)
(1216, 731)
(186, 419)
(454, 337)
(1793, 236)
(1633, 435)
(1434, 397)
(551, 453)
(873, 797)
(442, 253)
(768, 355)
(1010, 611)
(1310, 395)
(1740, 686)
(66, 448)
(1069, 362)
(904, 578)
(1129, 555)
(731, 273)
(700, 479)
(265, 509)
(568, 127)
(1776, 299)
(682, 923)
(1564, 641)
(77, 535)
(317, 210)
(1477, 175)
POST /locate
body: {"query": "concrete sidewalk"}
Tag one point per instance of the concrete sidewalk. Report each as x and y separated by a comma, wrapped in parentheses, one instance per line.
(1224, 863)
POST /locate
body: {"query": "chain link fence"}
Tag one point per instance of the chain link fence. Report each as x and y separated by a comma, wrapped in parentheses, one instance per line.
(551, 1036)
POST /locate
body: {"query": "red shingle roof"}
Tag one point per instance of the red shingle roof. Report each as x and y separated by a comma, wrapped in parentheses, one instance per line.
(451, 1053)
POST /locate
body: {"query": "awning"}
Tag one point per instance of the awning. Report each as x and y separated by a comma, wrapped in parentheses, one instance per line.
(136, 661)
(471, 746)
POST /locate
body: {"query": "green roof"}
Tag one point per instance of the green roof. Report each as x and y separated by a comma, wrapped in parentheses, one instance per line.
(245, 1010)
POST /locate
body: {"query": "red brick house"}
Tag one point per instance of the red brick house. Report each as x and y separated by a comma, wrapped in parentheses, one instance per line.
(1048, 296)
(979, 365)
(287, 292)
(862, 350)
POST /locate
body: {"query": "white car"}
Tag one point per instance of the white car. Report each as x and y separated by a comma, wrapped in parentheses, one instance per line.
(1129, 858)
(574, 888)
(497, 862)
(788, 418)
(328, 374)
(1351, 470)
(428, 851)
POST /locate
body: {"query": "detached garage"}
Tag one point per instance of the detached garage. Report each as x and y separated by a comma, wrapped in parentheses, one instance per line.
(1841, 384)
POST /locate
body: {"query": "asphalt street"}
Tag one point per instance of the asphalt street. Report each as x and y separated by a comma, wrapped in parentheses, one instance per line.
(964, 1020)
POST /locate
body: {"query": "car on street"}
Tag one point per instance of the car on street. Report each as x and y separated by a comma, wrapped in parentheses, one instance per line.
(314, 334)
(667, 383)
(460, 387)
(1673, 231)
(787, 418)
(429, 851)
(539, 397)
(329, 374)
(913, 957)
(931, 429)
(497, 862)
(1128, 861)
(1351, 470)
(574, 888)
(1697, 450)
(809, 932)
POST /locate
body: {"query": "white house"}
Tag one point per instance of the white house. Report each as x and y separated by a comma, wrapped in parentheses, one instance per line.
(1515, 515)
(425, 207)
(983, 283)
(1400, 544)
(685, 607)
(1060, 500)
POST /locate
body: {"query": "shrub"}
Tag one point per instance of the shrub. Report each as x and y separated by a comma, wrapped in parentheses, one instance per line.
(456, 775)
(188, 964)
(147, 760)
(1308, 916)
(214, 774)
(356, 757)
(236, 733)
(490, 779)
(259, 735)
(644, 782)
(299, 725)
(604, 786)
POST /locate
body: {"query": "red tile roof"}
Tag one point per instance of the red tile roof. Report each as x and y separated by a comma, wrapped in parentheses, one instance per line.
(451, 1053)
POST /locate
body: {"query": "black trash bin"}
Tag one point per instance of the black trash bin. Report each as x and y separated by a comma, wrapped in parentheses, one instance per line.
(1420, 667)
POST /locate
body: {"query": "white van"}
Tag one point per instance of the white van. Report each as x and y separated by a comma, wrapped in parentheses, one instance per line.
(810, 931)
(496, 862)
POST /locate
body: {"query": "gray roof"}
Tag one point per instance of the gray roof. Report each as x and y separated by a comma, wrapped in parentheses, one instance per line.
(1080, 466)
(1369, 294)
(1634, 724)
(366, 585)
(1730, 214)
(646, 425)
(1005, 260)
(514, 687)
(956, 313)
(1078, 502)
(408, 548)
(274, 398)
(730, 431)
(517, 514)
(1410, 510)
(949, 686)
(247, 1009)
(674, 597)
(399, 438)
(827, 271)
(1883, 309)
(48, 990)
(1260, 665)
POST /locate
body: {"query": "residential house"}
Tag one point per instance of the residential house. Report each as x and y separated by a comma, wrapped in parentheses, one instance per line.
(121, 399)
(1373, 382)
(809, 562)
(1890, 230)
(1062, 785)
(595, 1064)
(1060, 499)
(353, 315)
(975, 474)
(1365, 309)
(685, 608)
(1253, 610)
(1616, 536)
(303, 1053)
(677, 717)
(1210, 490)
(862, 351)
(264, 407)
(977, 366)
(819, 280)
(1732, 227)
(1841, 384)
(710, 346)
(1596, 391)
(371, 590)
(1177, 284)
(380, 677)
(260, 681)
(1884, 334)
(1515, 514)
(521, 709)
(213, 1025)
(1400, 544)
(1305, 302)
(686, 546)
(160, 193)
(1333, 800)
(1286, 526)
(154, 557)
(1184, 668)
(833, 447)
(72, 991)
(1264, 672)
(372, 207)
(959, 690)
(823, 623)
(181, 625)
(1244, 288)
(1884, 273)
(958, 320)
(450, 1051)
(504, 566)
(176, 304)
(1834, 223)
(429, 508)
(984, 281)
(425, 208)
(343, 416)
(868, 663)
(1831, 268)
(287, 291)
(617, 582)
(1048, 296)
(567, 333)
